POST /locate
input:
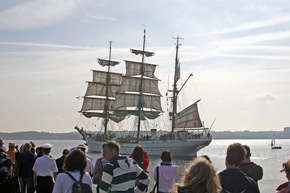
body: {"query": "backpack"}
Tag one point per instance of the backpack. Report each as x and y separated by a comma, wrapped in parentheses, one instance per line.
(79, 186)
(6, 167)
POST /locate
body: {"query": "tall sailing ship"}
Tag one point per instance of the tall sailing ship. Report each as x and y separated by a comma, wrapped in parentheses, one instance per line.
(114, 98)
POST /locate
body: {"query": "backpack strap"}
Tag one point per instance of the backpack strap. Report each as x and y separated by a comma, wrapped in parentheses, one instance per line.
(81, 178)
(157, 182)
(71, 176)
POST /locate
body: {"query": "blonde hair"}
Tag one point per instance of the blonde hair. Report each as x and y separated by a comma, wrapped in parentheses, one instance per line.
(200, 177)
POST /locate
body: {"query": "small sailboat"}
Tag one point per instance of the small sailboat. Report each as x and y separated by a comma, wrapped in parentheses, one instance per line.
(273, 146)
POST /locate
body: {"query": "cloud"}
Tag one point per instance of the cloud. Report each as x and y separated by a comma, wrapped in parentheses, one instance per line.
(266, 98)
(250, 39)
(36, 14)
(33, 44)
(50, 94)
(54, 118)
(254, 25)
(92, 19)
(243, 113)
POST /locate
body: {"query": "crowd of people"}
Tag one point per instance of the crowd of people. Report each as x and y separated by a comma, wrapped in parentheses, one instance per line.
(32, 169)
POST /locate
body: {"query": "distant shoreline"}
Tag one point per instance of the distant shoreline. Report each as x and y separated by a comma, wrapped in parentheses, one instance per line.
(34, 135)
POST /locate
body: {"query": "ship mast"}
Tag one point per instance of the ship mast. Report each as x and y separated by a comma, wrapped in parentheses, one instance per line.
(141, 97)
(176, 77)
(107, 102)
(140, 105)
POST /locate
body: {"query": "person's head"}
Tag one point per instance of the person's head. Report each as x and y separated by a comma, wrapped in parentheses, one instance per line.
(39, 151)
(138, 153)
(248, 151)
(235, 155)
(11, 146)
(201, 176)
(32, 144)
(26, 147)
(65, 152)
(166, 156)
(286, 169)
(1, 142)
(46, 148)
(46, 151)
(2, 147)
(110, 149)
(82, 147)
(76, 160)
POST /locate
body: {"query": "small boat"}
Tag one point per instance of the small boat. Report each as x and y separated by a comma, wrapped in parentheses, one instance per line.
(273, 146)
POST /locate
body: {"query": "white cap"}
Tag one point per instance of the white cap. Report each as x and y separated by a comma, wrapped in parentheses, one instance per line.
(82, 146)
(46, 146)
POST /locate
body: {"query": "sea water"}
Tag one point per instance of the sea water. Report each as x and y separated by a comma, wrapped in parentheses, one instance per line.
(262, 154)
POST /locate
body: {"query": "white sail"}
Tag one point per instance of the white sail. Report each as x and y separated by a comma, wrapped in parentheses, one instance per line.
(273, 141)
(134, 68)
(103, 62)
(188, 118)
(124, 100)
(95, 104)
(129, 94)
(101, 77)
(132, 84)
(99, 89)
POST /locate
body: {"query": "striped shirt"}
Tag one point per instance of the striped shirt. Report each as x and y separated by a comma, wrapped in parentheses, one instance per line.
(122, 174)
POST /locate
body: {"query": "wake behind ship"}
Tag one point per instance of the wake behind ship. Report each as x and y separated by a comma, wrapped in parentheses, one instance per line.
(135, 97)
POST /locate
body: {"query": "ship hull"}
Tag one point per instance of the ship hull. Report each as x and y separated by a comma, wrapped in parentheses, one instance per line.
(178, 148)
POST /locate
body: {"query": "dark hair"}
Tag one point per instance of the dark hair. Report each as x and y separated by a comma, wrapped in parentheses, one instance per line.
(76, 160)
(206, 157)
(138, 155)
(235, 154)
(112, 145)
(39, 150)
(248, 151)
(166, 156)
(65, 152)
(46, 151)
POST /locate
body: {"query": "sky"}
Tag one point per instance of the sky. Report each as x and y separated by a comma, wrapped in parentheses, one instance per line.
(237, 50)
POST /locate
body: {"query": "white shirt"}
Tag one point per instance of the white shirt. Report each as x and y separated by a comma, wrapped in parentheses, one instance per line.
(90, 166)
(63, 183)
(45, 166)
(167, 177)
